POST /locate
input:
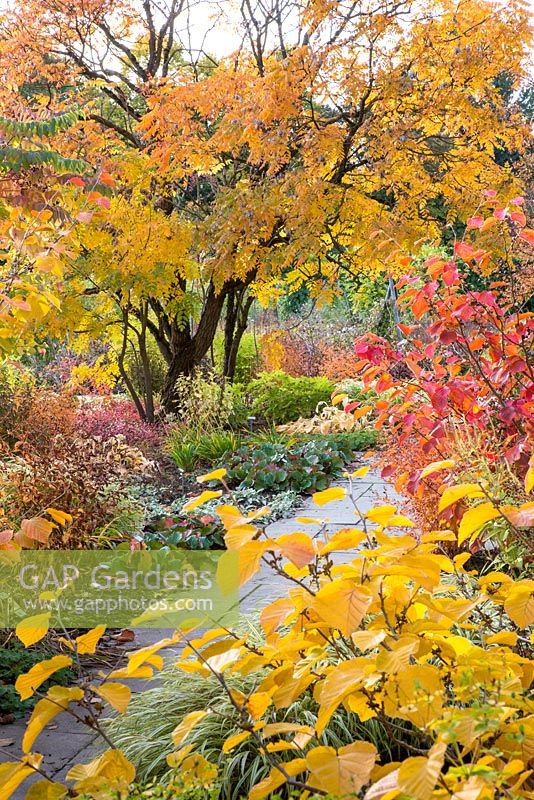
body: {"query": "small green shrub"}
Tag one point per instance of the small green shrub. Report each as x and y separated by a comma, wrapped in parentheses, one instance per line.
(303, 467)
(15, 660)
(349, 443)
(183, 451)
(279, 398)
(184, 531)
(214, 446)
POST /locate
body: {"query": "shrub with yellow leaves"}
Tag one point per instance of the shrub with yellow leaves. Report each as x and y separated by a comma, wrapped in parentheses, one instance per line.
(438, 655)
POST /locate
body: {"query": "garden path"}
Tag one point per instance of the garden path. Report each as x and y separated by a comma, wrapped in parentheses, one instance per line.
(67, 742)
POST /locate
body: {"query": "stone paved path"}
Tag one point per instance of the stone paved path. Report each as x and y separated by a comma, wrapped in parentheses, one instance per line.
(66, 742)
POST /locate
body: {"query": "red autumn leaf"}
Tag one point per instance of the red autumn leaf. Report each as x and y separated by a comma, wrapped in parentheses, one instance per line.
(475, 222)
(528, 235)
(519, 217)
(464, 251)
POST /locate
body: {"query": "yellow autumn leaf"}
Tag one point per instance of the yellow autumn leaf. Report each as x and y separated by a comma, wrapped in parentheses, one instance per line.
(341, 772)
(195, 502)
(339, 398)
(475, 518)
(45, 790)
(297, 547)
(27, 684)
(86, 644)
(397, 657)
(33, 629)
(145, 654)
(186, 726)
(418, 776)
(436, 466)
(116, 694)
(329, 495)
(382, 514)
(175, 759)
(12, 774)
(58, 516)
(519, 603)
(197, 769)
(275, 779)
(110, 771)
(344, 539)
(258, 703)
(233, 741)
(360, 473)
(342, 604)
(216, 475)
(57, 700)
(236, 537)
(276, 728)
(508, 638)
(454, 493)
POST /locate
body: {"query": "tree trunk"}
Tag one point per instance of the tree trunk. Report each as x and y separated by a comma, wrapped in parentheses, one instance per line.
(187, 350)
(233, 338)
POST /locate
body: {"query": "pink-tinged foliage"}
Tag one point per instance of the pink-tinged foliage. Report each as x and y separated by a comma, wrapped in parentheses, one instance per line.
(466, 359)
(107, 418)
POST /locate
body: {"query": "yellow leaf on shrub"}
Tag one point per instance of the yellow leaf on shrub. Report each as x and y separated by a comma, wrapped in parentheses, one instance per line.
(175, 759)
(110, 771)
(275, 779)
(475, 518)
(216, 475)
(297, 547)
(58, 516)
(116, 694)
(454, 493)
(275, 728)
(343, 771)
(57, 700)
(145, 654)
(418, 776)
(519, 603)
(397, 657)
(258, 703)
(186, 726)
(196, 769)
(27, 684)
(508, 638)
(233, 741)
(274, 614)
(382, 514)
(195, 502)
(342, 604)
(86, 644)
(236, 537)
(37, 529)
(12, 774)
(45, 790)
(339, 398)
(33, 629)
(344, 539)
(436, 466)
(329, 495)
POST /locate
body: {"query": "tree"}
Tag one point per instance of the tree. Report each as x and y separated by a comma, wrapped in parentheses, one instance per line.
(334, 124)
